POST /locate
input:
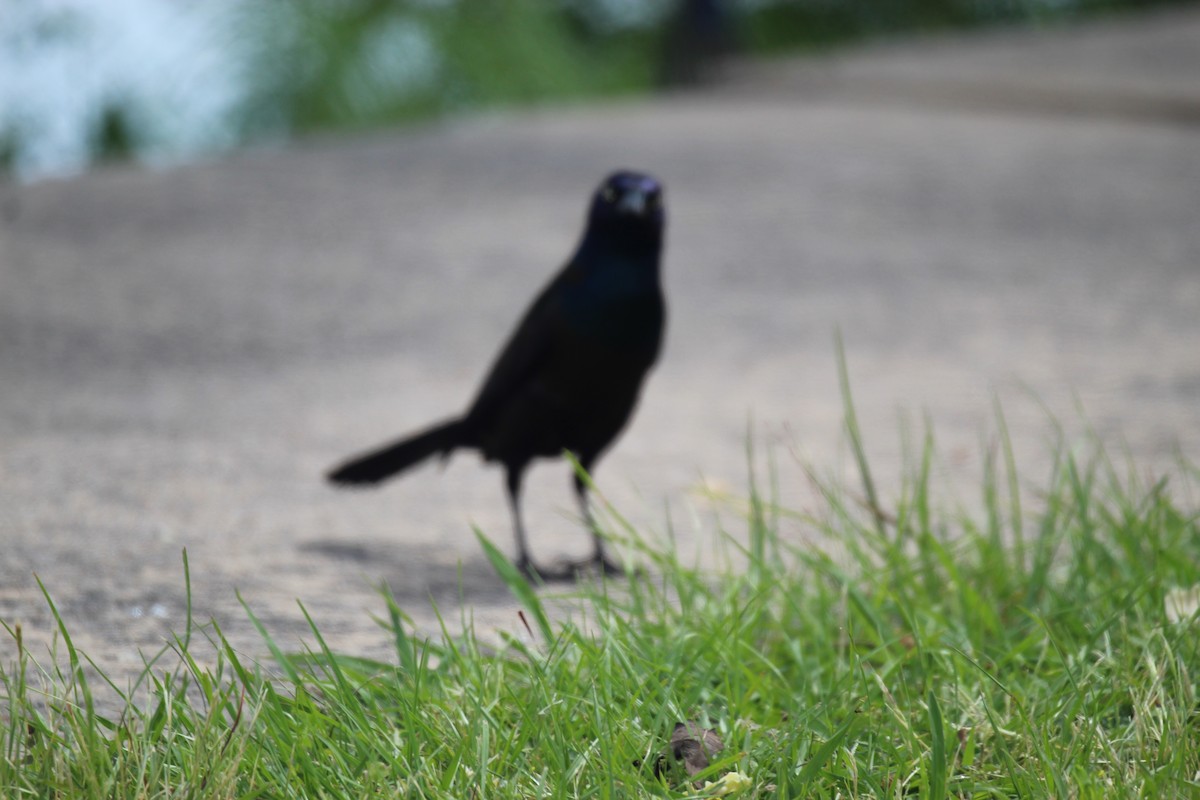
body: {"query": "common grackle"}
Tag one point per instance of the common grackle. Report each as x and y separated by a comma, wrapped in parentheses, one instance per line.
(569, 377)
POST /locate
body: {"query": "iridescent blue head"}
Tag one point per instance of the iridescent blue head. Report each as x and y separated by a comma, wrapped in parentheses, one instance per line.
(627, 213)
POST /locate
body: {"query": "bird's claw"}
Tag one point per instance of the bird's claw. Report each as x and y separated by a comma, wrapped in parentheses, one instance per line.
(602, 565)
(571, 571)
(536, 574)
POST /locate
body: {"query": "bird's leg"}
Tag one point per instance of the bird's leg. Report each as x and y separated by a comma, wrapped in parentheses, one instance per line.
(598, 557)
(524, 562)
(512, 480)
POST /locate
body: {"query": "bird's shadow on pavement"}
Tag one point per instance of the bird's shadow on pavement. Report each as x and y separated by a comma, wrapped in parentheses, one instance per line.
(419, 573)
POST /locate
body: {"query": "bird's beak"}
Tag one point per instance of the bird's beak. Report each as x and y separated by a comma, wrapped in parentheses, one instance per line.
(634, 201)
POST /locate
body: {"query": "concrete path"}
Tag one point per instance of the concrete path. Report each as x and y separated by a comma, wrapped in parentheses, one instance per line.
(184, 352)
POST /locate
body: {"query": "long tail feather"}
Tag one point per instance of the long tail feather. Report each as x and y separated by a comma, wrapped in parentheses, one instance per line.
(399, 456)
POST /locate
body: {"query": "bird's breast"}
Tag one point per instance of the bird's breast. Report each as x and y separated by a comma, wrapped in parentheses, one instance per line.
(626, 322)
(620, 307)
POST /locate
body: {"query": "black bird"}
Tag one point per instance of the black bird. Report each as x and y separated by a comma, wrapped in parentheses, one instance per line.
(569, 377)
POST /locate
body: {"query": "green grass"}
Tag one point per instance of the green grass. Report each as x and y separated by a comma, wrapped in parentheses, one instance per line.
(1021, 651)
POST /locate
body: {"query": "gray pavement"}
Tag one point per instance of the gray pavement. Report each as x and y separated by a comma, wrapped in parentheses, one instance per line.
(183, 352)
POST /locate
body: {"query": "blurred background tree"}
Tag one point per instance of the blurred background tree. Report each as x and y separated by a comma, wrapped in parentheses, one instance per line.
(161, 81)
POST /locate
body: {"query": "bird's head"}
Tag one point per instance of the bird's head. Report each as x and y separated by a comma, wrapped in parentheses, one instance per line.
(628, 204)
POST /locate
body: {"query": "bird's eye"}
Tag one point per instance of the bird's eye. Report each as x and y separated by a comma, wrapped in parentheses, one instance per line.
(608, 194)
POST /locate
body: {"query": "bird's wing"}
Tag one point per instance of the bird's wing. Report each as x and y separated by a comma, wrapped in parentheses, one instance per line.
(527, 349)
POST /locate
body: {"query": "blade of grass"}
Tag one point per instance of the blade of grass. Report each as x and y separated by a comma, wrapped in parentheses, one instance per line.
(937, 750)
(856, 440)
(518, 585)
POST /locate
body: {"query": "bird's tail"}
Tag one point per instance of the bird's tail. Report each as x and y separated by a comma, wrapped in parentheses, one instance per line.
(395, 458)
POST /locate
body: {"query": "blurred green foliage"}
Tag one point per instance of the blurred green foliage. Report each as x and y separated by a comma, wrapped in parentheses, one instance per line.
(790, 25)
(353, 63)
(319, 64)
(195, 78)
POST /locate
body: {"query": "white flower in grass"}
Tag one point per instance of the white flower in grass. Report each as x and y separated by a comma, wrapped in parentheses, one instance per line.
(729, 783)
(1182, 604)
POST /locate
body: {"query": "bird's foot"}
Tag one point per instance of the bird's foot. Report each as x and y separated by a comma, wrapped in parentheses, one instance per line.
(571, 571)
(536, 574)
(603, 565)
(598, 564)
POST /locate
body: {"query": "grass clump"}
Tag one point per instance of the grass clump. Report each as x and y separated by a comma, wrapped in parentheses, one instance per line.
(1006, 653)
